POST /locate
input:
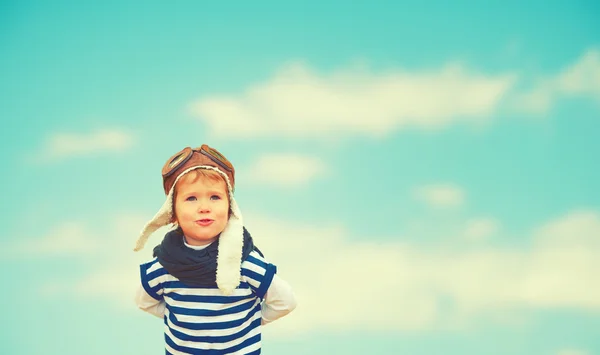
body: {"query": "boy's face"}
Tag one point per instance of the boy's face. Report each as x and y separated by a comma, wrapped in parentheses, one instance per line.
(202, 209)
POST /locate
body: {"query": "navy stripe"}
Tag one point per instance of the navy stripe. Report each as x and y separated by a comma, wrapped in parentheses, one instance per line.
(266, 281)
(156, 273)
(256, 352)
(216, 339)
(152, 291)
(256, 261)
(209, 313)
(207, 299)
(253, 275)
(215, 325)
(179, 284)
(245, 343)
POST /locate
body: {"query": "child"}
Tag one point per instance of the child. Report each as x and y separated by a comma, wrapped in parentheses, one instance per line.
(210, 284)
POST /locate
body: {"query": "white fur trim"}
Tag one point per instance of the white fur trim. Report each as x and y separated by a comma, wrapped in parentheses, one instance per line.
(162, 218)
(231, 241)
(229, 256)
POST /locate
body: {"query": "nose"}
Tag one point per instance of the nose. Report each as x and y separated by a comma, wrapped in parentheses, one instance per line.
(204, 207)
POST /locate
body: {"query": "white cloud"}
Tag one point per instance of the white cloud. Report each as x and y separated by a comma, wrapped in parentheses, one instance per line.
(116, 284)
(404, 286)
(441, 195)
(118, 281)
(116, 237)
(582, 78)
(113, 267)
(481, 228)
(64, 145)
(68, 238)
(578, 228)
(566, 259)
(394, 285)
(298, 102)
(285, 169)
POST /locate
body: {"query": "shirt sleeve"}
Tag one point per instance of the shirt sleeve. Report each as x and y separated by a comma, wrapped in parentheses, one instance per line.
(258, 273)
(149, 296)
(150, 276)
(279, 300)
(149, 304)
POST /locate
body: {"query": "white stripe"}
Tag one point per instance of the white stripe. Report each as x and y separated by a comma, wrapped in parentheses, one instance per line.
(206, 305)
(155, 282)
(256, 255)
(154, 266)
(254, 283)
(207, 291)
(211, 319)
(253, 267)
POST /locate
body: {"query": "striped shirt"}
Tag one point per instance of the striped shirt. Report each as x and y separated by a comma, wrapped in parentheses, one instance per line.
(201, 320)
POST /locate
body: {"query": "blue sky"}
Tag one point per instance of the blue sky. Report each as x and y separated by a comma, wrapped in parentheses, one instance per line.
(424, 176)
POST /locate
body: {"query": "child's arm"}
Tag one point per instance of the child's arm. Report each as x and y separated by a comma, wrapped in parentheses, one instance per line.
(279, 300)
(148, 303)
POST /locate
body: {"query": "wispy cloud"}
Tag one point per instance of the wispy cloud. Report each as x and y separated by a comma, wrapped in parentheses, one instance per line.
(113, 282)
(440, 195)
(285, 169)
(68, 238)
(67, 145)
(299, 102)
(581, 78)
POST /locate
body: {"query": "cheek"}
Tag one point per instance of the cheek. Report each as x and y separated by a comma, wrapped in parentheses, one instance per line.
(224, 210)
(182, 211)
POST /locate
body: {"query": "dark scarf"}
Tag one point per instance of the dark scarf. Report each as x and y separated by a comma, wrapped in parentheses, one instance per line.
(194, 267)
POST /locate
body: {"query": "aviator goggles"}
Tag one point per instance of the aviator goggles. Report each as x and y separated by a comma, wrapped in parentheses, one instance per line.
(184, 155)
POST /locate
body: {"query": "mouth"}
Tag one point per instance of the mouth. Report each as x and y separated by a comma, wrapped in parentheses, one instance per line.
(204, 222)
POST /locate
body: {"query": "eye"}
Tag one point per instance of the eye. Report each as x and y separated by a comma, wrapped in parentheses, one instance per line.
(191, 198)
(215, 197)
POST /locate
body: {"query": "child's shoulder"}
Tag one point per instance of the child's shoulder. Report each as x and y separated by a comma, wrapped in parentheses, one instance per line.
(151, 266)
(255, 257)
(256, 261)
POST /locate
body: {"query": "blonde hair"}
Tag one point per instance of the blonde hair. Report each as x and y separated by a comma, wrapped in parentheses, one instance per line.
(191, 178)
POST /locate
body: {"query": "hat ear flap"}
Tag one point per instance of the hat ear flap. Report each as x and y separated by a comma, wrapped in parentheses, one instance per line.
(161, 219)
(229, 256)
(231, 245)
